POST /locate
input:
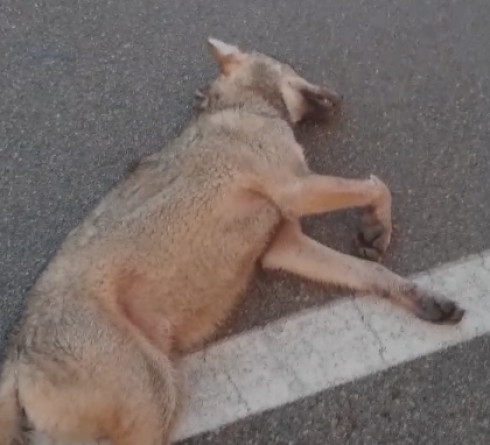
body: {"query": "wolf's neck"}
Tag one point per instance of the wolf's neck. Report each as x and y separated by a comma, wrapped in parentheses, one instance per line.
(247, 103)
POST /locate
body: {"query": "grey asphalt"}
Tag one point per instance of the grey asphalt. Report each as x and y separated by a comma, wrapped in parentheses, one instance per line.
(89, 85)
(436, 400)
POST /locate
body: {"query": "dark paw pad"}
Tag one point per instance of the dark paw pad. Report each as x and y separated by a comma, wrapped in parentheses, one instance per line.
(433, 307)
(373, 238)
(441, 311)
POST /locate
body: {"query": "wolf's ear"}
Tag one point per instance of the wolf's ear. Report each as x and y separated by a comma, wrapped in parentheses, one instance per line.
(229, 57)
(305, 99)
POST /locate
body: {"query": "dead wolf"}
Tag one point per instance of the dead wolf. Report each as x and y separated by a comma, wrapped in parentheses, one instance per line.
(162, 259)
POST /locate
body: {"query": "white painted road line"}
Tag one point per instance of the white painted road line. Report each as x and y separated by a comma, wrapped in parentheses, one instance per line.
(321, 348)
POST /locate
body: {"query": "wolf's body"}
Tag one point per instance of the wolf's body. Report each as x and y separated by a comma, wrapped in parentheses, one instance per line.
(162, 259)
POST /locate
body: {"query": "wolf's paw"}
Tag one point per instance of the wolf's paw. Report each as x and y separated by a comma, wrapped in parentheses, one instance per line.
(433, 307)
(374, 235)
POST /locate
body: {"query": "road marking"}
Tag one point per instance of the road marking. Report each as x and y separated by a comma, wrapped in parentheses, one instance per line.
(318, 349)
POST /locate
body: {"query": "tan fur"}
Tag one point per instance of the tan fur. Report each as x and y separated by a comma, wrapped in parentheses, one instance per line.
(162, 259)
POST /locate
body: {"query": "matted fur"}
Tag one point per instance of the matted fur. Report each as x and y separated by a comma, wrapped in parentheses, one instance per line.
(162, 259)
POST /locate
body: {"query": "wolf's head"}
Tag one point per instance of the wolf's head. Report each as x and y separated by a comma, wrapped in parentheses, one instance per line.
(246, 77)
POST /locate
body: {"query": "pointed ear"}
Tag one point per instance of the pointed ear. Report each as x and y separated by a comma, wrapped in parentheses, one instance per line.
(305, 99)
(228, 57)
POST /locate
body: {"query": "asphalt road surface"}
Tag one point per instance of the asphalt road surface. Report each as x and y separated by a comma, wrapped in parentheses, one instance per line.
(89, 85)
